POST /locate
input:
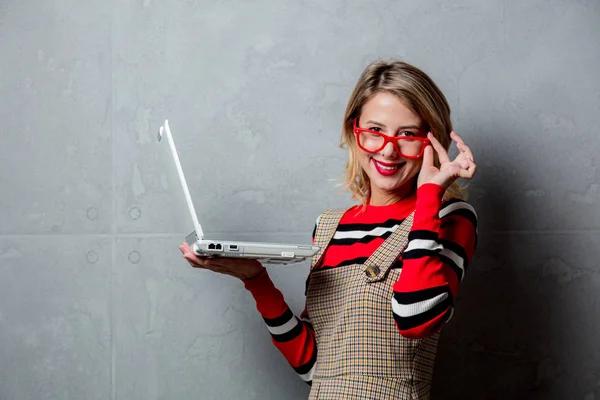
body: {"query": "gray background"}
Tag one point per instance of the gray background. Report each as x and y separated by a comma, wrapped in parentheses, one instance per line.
(95, 299)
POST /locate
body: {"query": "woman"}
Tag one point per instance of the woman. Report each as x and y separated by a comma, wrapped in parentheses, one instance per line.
(389, 269)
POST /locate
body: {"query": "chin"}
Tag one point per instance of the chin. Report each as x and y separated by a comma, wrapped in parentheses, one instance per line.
(393, 184)
(390, 188)
(389, 185)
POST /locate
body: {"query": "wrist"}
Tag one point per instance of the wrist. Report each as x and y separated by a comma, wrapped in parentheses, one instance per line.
(258, 281)
(427, 207)
(252, 274)
(430, 191)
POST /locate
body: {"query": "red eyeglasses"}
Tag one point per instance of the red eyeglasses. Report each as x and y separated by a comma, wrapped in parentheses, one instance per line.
(406, 146)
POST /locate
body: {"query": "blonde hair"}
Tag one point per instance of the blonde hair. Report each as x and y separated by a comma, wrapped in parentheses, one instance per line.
(419, 93)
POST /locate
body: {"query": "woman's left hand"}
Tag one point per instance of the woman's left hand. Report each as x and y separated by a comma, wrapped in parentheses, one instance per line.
(463, 165)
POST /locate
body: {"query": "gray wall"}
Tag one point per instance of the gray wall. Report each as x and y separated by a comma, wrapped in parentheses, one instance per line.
(95, 299)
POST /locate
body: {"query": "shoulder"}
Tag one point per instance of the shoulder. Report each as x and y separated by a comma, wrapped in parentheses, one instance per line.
(332, 215)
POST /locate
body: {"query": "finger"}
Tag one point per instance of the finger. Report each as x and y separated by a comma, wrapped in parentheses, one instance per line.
(427, 157)
(457, 138)
(465, 150)
(441, 152)
(185, 246)
(454, 136)
(469, 172)
(460, 143)
(462, 162)
(191, 256)
(194, 261)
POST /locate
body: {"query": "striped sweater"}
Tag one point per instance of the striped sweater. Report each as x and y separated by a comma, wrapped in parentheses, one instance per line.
(441, 244)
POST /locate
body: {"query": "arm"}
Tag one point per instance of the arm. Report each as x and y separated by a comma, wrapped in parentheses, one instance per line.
(293, 337)
(441, 244)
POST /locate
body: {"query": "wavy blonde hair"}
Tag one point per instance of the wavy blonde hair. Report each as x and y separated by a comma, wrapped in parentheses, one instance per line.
(419, 93)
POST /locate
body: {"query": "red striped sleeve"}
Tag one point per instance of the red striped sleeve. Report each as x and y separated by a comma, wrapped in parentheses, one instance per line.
(294, 338)
(441, 245)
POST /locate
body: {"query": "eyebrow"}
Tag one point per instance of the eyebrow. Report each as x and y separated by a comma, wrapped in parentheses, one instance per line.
(401, 127)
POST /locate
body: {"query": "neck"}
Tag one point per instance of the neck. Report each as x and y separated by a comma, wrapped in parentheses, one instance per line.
(384, 198)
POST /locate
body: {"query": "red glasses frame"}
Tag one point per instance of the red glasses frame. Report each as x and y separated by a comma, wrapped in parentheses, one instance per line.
(387, 139)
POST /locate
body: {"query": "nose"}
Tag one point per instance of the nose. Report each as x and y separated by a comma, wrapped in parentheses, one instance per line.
(388, 151)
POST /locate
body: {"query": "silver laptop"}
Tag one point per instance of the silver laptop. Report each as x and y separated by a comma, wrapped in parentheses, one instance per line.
(270, 253)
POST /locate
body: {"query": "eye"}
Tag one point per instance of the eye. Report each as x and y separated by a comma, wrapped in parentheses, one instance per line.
(408, 133)
(375, 129)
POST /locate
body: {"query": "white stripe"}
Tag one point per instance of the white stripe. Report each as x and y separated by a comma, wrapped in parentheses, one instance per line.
(361, 234)
(307, 377)
(458, 260)
(285, 328)
(424, 244)
(457, 206)
(410, 310)
(451, 314)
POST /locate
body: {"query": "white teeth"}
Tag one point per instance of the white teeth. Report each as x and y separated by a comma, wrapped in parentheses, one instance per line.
(386, 168)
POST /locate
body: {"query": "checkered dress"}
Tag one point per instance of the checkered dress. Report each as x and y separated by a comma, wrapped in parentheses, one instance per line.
(360, 353)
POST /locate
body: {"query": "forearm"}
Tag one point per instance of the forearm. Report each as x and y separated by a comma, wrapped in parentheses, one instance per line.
(434, 264)
(295, 339)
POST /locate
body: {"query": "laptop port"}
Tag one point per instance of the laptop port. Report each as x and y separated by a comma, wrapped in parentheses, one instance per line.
(233, 247)
(211, 246)
(219, 247)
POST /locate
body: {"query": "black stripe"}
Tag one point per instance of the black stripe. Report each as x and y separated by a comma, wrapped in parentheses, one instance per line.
(364, 239)
(289, 335)
(304, 369)
(459, 272)
(421, 295)
(465, 213)
(419, 253)
(422, 234)
(314, 231)
(458, 249)
(368, 227)
(282, 319)
(396, 264)
(405, 323)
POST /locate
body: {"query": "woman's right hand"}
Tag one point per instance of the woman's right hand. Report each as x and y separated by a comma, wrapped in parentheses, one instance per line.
(240, 268)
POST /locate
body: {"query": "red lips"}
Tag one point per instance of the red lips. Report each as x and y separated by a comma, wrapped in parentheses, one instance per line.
(387, 169)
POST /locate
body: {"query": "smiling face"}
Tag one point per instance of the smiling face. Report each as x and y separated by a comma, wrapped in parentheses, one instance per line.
(391, 176)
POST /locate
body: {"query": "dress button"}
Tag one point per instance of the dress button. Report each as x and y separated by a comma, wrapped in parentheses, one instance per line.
(371, 271)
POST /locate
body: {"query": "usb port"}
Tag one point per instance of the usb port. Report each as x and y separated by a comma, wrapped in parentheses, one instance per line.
(233, 247)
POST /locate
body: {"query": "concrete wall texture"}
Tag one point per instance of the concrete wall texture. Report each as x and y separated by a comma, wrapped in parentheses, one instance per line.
(96, 301)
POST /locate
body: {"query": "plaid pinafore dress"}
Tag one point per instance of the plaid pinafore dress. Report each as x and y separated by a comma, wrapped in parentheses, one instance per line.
(360, 353)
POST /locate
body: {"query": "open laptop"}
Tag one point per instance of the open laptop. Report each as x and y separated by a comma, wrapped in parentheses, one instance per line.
(270, 253)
